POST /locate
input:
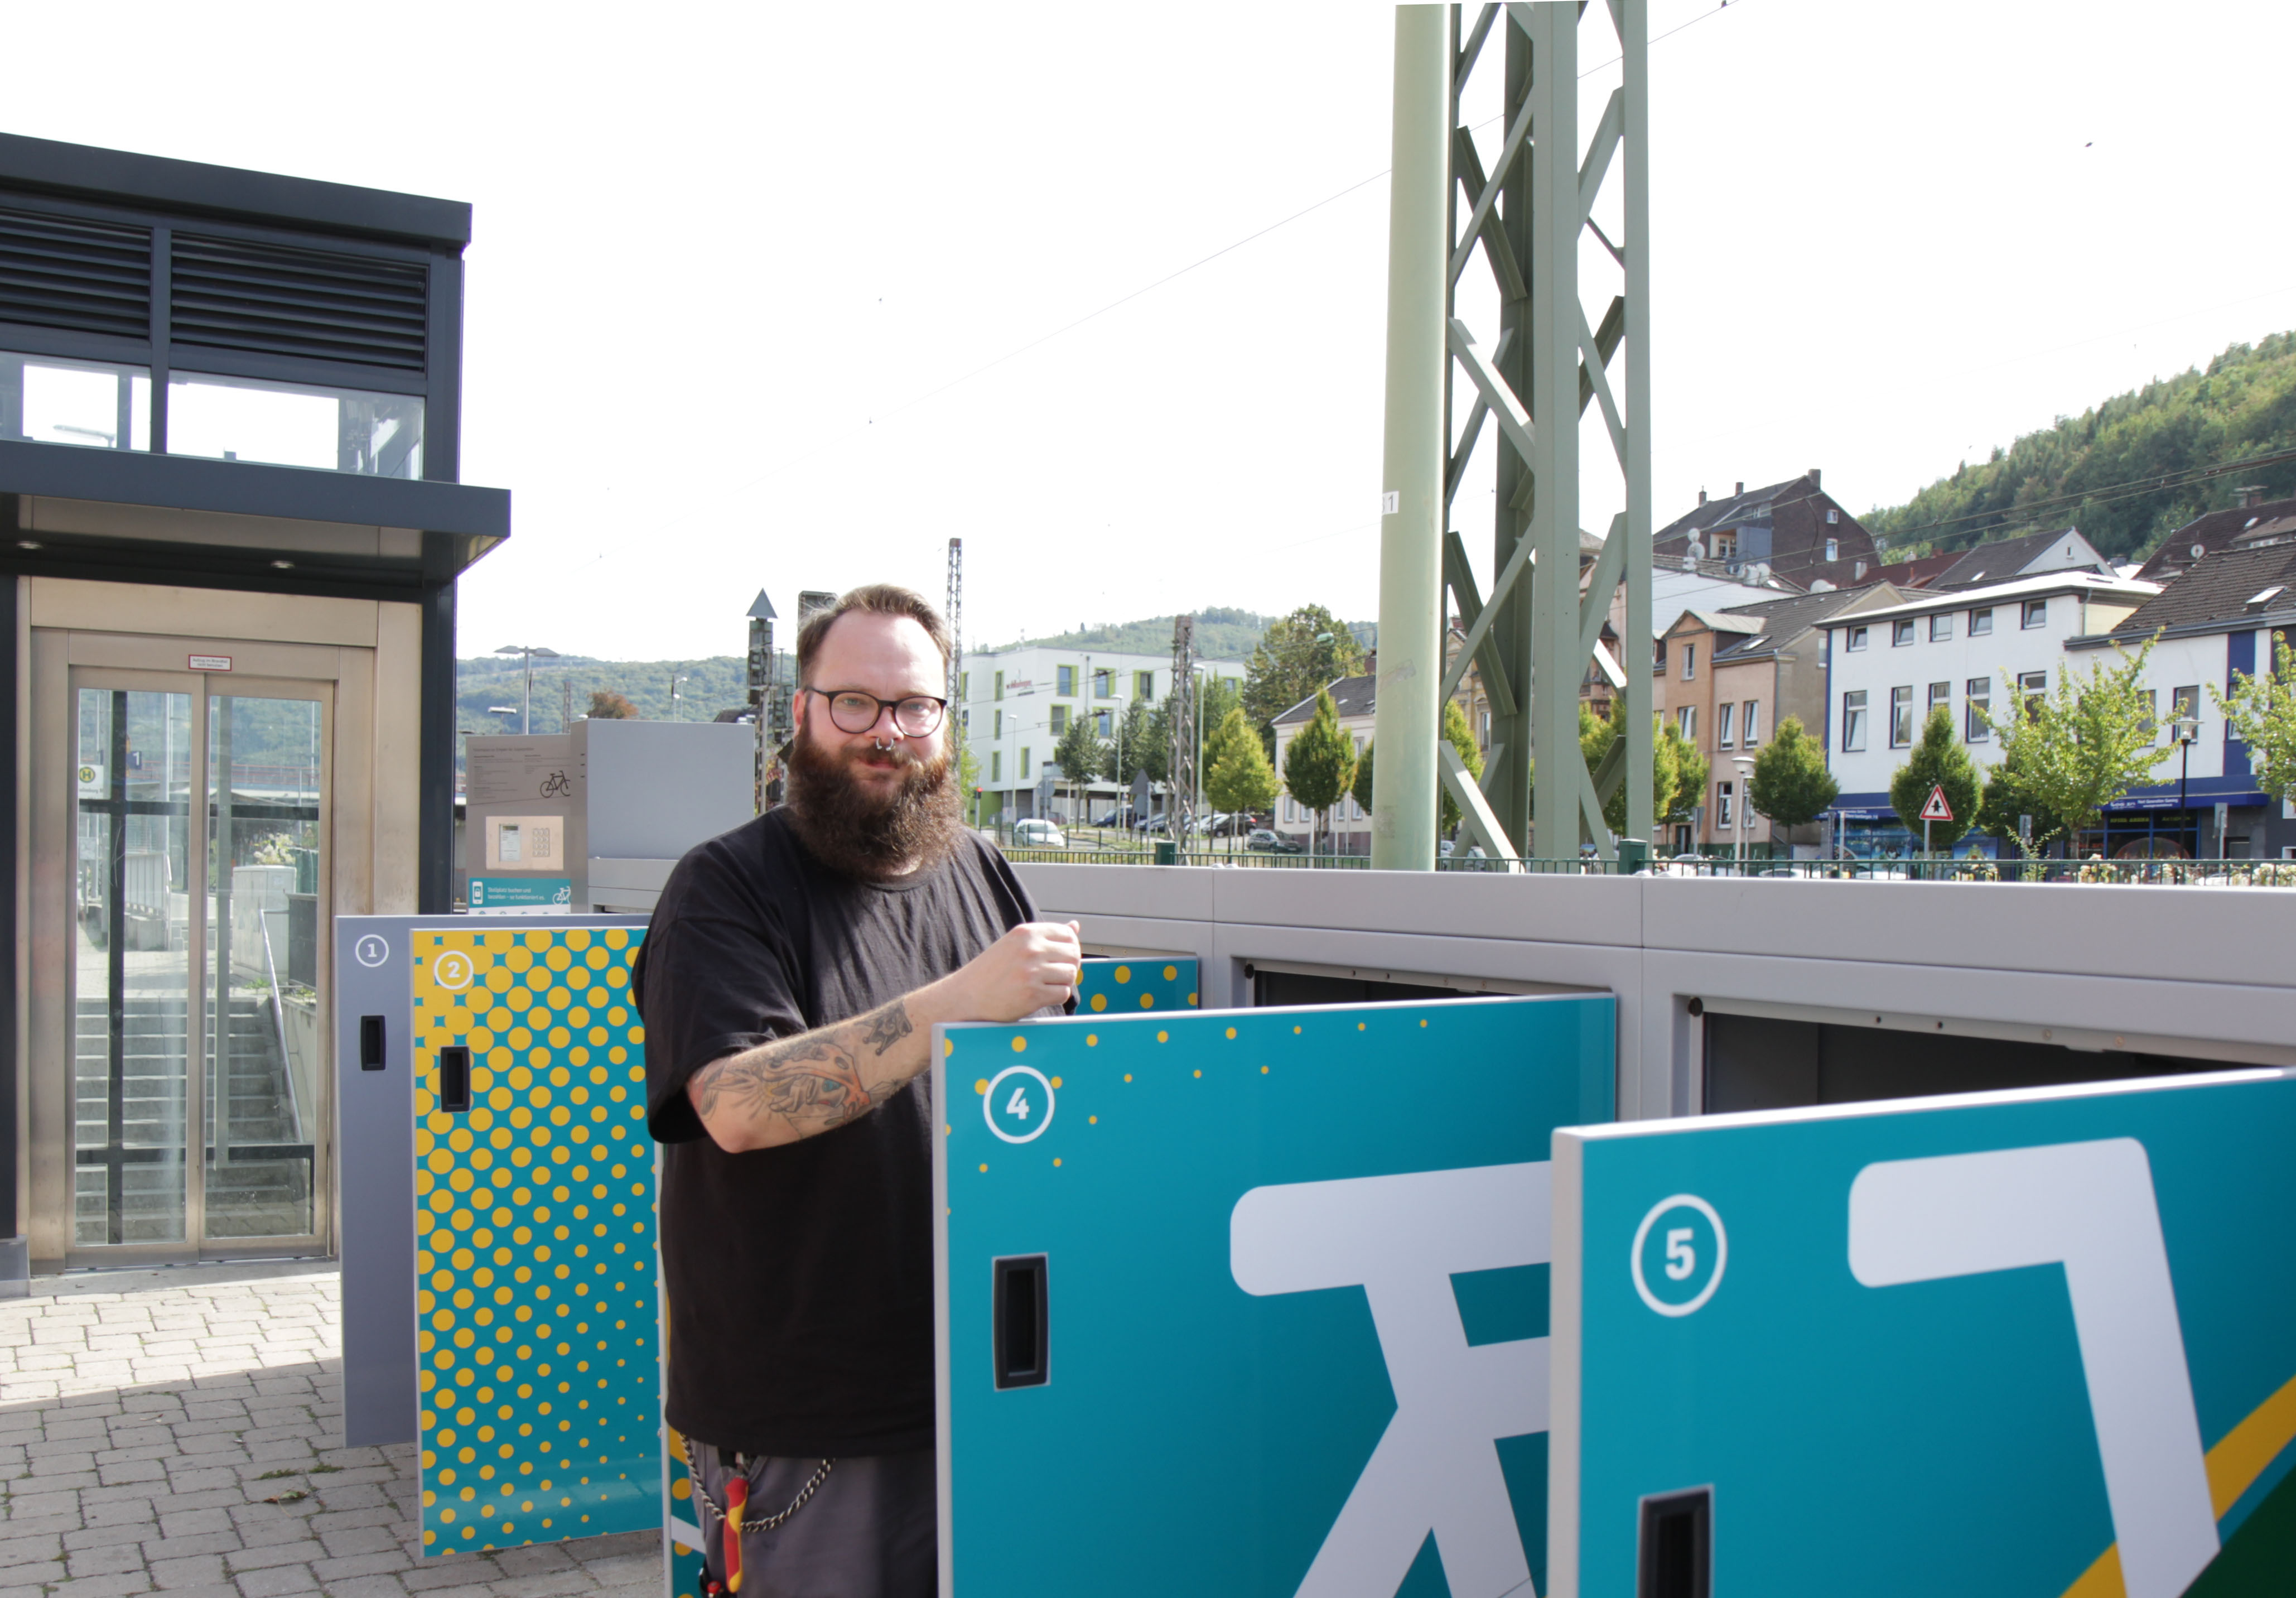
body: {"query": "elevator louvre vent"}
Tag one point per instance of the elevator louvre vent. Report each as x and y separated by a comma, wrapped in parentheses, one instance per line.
(83, 276)
(310, 304)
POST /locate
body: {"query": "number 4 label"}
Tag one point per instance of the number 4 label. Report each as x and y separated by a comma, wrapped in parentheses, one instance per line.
(1009, 1117)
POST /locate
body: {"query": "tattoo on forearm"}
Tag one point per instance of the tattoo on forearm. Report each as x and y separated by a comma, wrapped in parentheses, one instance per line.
(887, 1026)
(813, 1081)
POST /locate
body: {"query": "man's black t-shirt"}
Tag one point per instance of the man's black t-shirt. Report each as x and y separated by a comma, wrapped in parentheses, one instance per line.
(801, 1278)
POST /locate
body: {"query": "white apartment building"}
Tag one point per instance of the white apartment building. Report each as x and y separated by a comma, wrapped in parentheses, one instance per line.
(1018, 702)
(1972, 650)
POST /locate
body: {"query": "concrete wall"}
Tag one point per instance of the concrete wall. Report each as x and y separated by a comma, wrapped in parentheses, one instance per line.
(2194, 972)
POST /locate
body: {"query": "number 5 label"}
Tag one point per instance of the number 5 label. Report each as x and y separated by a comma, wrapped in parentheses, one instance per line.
(1678, 1267)
(1021, 1116)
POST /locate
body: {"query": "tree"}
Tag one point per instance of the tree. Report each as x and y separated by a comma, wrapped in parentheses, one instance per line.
(1307, 650)
(2009, 796)
(1595, 740)
(1790, 783)
(1691, 770)
(2262, 714)
(1139, 745)
(1461, 736)
(1321, 762)
(1237, 774)
(2082, 747)
(1077, 755)
(1937, 761)
(607, 705)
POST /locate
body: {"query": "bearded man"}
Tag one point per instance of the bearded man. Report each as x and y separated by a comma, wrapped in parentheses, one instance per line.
(790, 984)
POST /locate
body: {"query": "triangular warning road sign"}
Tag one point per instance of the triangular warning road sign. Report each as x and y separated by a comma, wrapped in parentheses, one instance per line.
(1936, 809)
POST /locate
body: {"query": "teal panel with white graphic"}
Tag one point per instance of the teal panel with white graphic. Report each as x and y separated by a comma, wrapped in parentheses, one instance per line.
(1141, 982)
(2022, 1344)
(1253, 1302)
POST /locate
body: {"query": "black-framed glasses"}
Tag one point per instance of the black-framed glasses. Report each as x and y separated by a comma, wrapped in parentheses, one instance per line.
(915, 716)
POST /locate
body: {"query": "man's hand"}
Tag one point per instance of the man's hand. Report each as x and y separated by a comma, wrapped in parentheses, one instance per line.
(1033, 966)
(794, 1088)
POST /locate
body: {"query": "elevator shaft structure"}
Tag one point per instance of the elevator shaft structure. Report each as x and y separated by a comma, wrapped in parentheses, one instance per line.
(1535, 635)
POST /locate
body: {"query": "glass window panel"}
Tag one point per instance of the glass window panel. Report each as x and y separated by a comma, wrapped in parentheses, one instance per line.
(291, 424)
(1901, 717)
(1853, 721)
(264, 1028)
(1980, 622)
(131, 972)
(92, 404)
(1979, 726)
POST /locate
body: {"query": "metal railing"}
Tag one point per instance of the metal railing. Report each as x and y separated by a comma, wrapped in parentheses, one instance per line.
(2146, 872)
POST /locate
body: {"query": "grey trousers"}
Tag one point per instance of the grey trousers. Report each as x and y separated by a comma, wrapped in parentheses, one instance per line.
(870, 1530)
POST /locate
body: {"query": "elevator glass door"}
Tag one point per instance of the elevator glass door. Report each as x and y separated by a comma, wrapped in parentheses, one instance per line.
(198, 1037)
(132, 1000)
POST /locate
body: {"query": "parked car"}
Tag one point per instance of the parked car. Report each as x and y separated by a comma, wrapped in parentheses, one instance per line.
(1035, 832)
(1116, 817)
(1266, 841)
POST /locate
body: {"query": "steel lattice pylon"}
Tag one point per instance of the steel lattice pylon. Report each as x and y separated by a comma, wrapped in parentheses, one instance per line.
(1533, 636)
(1180, 706)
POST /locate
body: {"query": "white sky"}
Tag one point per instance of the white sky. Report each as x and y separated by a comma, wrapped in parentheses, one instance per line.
(736, 269)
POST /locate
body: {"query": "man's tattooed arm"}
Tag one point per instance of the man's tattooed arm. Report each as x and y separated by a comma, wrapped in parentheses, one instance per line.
(794, 1088)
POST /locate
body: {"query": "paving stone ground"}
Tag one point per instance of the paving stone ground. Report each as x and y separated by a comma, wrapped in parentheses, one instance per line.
(146, 1417)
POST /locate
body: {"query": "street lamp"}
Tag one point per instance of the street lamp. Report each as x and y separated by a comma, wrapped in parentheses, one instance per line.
(674, 681)
(531, 652)
(2186, 731)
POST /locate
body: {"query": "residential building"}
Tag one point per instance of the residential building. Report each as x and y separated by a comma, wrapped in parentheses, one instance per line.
(2252, 519)
(1348, 826)
(2005, 560)
(1017, 702)
(1357, 700)
(1971, 650)
(1726, 679)
(1794, 528)
(2216, 624)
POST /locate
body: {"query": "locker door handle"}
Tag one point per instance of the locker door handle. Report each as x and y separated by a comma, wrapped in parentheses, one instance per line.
(1676, 1556)
(371, 1052)
(454, 1078)
(1023, 1329)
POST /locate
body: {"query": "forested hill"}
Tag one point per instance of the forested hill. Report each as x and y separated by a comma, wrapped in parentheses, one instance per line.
(2128, 472)
(1221, 634)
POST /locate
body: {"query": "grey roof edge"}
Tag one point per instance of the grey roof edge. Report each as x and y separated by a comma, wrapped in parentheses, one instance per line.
(167, 184)
(2187, 629)
(244, 488)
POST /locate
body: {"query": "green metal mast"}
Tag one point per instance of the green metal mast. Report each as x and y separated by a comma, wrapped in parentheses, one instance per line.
(1536, 633)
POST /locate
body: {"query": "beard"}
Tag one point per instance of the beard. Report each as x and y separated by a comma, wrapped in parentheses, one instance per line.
(859, 832)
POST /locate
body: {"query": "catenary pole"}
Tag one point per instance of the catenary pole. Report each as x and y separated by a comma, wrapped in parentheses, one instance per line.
(1407, 719)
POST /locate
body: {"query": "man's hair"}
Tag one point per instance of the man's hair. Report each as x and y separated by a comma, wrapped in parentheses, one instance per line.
(877, 599)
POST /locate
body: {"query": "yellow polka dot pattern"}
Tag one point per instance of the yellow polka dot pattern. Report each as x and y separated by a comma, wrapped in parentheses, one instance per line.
(1136, 984)
(539, 1377)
